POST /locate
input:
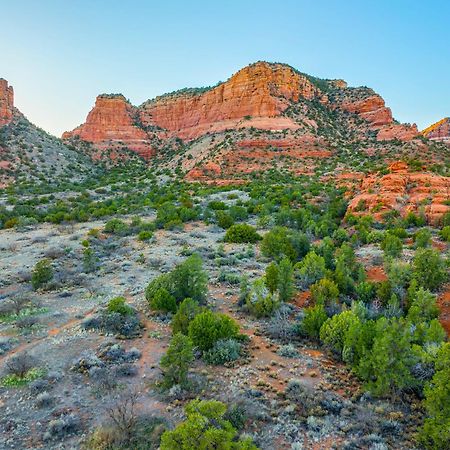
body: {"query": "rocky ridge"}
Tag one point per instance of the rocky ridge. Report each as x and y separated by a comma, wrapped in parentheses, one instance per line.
(263, 96)
(29, 153)
(439, 131)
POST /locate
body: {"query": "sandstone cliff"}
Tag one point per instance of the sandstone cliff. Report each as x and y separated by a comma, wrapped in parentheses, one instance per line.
(112, 123)
(6, 102)
(263, 96)
(253, 97)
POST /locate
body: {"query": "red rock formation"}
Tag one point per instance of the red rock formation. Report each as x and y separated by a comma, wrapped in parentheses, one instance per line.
(6, 102)
(205, 172)
(405, 192)
(371, 109)
(257, 96)
(403, 132)
(439, 131)
(111, 125)
(254, 96)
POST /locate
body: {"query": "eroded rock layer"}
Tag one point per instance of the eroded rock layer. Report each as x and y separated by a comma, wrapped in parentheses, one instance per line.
(403, 191)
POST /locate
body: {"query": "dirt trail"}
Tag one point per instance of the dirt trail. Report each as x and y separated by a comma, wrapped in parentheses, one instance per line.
(26, 346)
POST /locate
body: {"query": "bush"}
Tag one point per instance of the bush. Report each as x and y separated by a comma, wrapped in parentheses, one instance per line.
(207, 328)
(187, 280)
(66, 424)
(288, 351)
(223, 351)
(140, 433)
(271, 277)
(311, 268)
(217, 205)
(20, 370)
(280, 242)
(204, 428)
(285, 280)
(116, 226)
(260, 301)
(325, 292)
(238, 213)
(118, 305)
(429, 269)
(279, 326)
(242, 233)
(422, 238)
(175, 363)
(89, 260)
(145, 235)
(333, 331)
(313, 320)
(435, 434)
(445, 233)
(348, 270)
(392, 245)
(387, 368)
(187, 310)
(42, 273)
(163, 301)
(423, 307)
(224, 220)
(127, 326)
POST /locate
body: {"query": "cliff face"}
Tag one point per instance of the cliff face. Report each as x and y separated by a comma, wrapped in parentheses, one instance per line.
(372, 108)
(6, 102)
(253, 97)
(112, 123)
(263, 96)
(439, 131)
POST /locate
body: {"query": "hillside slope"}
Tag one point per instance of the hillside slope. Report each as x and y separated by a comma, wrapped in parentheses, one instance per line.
(28, 153)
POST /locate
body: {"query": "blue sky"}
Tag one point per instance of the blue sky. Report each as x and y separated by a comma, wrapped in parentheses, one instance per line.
(59, 55)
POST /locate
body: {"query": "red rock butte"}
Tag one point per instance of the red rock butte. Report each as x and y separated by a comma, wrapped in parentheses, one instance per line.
(112, 123)
(257, 97)
(6, 102)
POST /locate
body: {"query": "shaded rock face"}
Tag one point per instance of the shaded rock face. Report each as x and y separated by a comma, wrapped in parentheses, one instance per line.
(404, 192)
(112, 123)
(439, 131)
(262, 96)
(6, 102)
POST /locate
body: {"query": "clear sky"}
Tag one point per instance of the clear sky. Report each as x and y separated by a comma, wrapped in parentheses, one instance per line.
(60, 54)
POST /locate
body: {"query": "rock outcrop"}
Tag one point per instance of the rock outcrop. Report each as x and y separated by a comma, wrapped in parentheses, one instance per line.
(403, 191)
(263, 96)
(111, 124)
(439, 131)
(402, 132)
(253, 97)
(6, 102)
(372, 109)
